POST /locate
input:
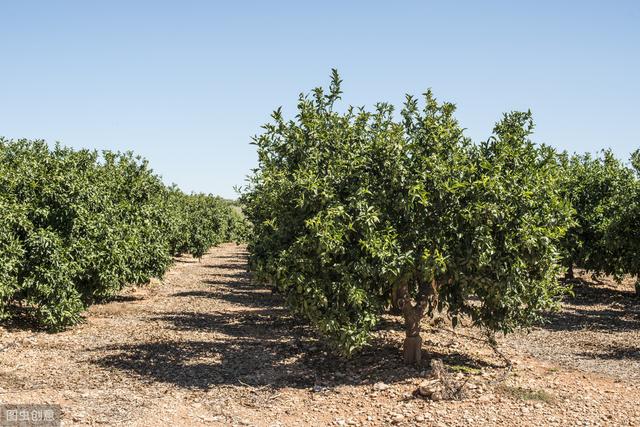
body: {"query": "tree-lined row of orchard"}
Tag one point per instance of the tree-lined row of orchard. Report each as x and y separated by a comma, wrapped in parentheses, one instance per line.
(78, 225)
(605, 194)
(356, 212)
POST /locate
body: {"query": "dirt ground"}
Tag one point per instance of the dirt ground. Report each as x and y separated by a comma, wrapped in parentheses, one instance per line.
(205, 347)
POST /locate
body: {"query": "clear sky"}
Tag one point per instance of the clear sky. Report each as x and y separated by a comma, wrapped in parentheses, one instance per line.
(187, 83)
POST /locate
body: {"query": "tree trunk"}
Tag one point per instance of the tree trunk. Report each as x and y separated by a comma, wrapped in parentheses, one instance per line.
(412, 346)
(569, 274)
(396, 310)
(412, 350)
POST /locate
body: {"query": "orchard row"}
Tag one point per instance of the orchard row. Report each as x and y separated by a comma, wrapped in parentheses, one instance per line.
(78, 225)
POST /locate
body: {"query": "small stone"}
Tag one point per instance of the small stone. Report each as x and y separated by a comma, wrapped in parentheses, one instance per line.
(427, 388)
(380, 386)
(398, 418)
(485, 398)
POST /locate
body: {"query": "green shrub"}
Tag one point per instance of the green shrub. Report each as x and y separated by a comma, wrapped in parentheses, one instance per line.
(606, 196)
(354, 211)
(601, 190)
(202, 223)
(623, 232)
(77, 226)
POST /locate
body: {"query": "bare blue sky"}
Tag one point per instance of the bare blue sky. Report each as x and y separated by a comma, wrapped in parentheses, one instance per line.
(186, 83)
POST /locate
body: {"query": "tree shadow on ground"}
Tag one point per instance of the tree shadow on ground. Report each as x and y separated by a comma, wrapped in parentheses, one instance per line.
(615, 353)
(240, 297)
(587, 292)
(390, 323)
(119, 298)
(264, 358)
(605, 320)
(259, 344)
(598, 308)
(229, 266)
(22, 318)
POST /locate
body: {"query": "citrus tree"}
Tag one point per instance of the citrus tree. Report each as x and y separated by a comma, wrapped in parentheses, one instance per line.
(200, 222)
(600, 189)
(79, 225)
(623, 233)
(606, 196)
(355, 211)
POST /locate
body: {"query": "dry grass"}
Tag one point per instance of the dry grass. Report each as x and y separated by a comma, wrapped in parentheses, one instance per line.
(522, 393)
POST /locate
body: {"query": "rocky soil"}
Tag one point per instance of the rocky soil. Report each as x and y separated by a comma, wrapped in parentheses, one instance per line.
(206, 347)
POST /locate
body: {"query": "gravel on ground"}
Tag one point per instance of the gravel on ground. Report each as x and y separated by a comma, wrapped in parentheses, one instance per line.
(205, 346)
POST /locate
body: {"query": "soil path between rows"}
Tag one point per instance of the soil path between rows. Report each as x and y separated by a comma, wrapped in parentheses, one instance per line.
(205, 346)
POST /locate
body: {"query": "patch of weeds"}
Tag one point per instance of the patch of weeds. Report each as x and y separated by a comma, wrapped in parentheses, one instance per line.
(522, 393)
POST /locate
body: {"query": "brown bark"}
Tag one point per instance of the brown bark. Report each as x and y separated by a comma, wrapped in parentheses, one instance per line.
(412, 350)
(569, 274)
(413, 312)
(412, 346)
(395, 302)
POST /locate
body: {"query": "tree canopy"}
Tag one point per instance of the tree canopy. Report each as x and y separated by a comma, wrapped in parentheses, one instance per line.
(354, 211)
